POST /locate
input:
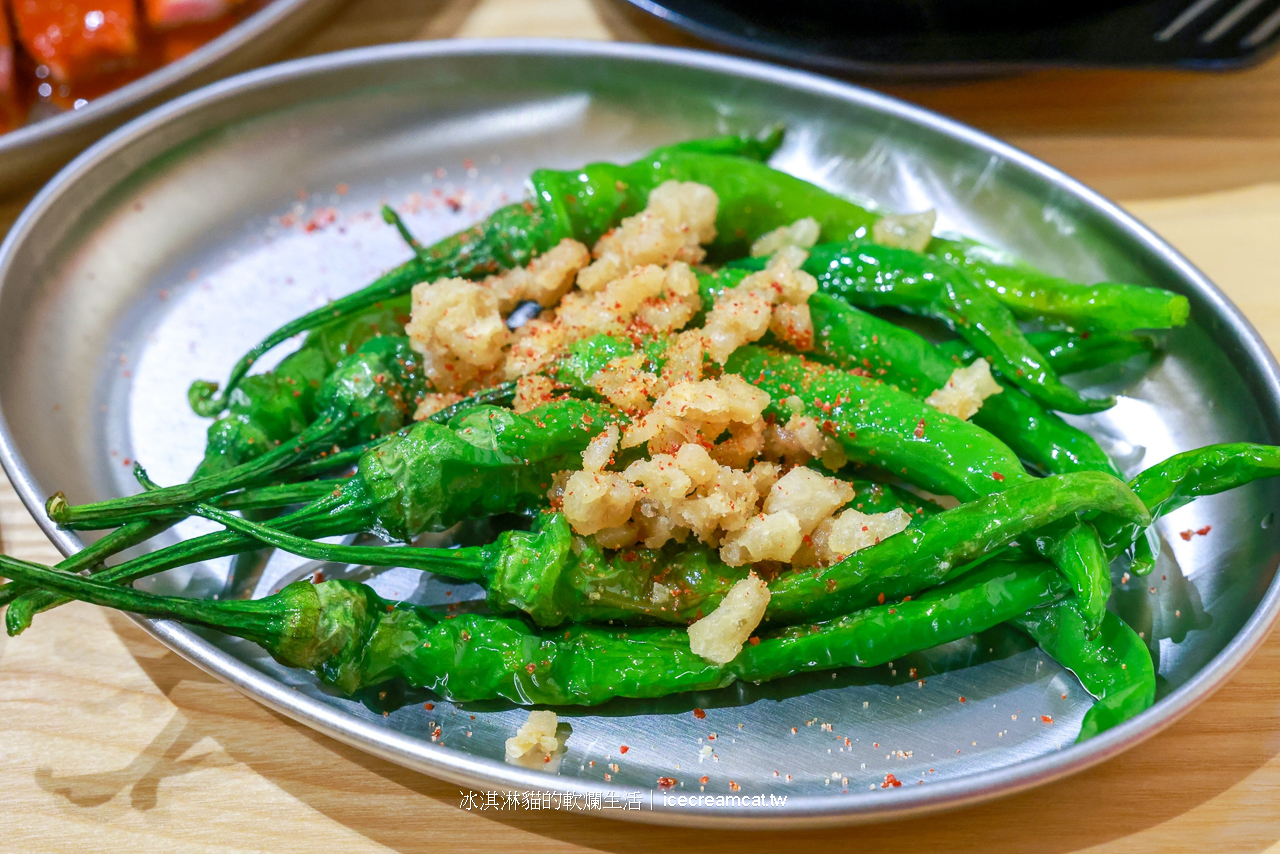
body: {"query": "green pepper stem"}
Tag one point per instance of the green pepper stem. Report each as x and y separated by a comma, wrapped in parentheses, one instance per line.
(117, 511)
(467, 564)
(349, 510)
(256, 619)
(95, 553)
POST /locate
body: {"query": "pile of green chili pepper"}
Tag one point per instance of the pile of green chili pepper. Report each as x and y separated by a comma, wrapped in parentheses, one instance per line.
(326, 440)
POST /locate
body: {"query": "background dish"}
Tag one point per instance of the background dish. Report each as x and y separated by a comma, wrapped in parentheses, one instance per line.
(33, 152)
(965, 37)
(78, 286)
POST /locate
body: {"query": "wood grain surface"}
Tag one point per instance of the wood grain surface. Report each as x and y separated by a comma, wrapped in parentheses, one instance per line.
(109, 742)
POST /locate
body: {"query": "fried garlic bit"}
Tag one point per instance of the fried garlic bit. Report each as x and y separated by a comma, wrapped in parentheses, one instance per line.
(456, 326)
(965, 390)
(905, 231)
(745, 313)
(678, 218)
(802, 234)
(545, 280)
(535, 742)
(719, 636)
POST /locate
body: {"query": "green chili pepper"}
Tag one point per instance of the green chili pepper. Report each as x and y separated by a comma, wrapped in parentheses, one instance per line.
(873, 276)
(269, 408)
(369, 394)
(556, 577)
(1113, 664)
(855, 340)
(1069, 352)
(486, 461)
(510, 237)
(1182, 478)
(1035, 296)
(352, 638)
(879, 425)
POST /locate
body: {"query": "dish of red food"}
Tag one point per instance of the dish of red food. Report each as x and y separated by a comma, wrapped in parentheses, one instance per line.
(58, 55)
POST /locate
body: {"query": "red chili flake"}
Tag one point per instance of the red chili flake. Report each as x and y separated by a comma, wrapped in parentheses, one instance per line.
(829, 427)
(126, 461)
(529, 667)
(755, 641)
(623, 749)
(699, 714)
(997, 476)
(711, 737)
(920, 429)
(703, 780)
(892, 611)
(1046, 719)
(734, 786)
(890, 780)
(962, 699)
(318, 577)
(1205, 530)
(1187, 534)
(880, 598)
(667, 782)
(428, 706)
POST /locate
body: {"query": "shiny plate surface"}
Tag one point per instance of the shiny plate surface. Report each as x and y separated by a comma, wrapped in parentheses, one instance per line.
(32, 153)
(169, 247)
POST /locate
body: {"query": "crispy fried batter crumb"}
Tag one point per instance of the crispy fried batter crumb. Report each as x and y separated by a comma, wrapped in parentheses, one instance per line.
(697, 412)
(797, 441)
(836, 538)
(802, 233)
(719, 636)
(433, 402)
(545, 280)
(965, 390)
(534, 740)
(809, 496)
(743, 314)
(767, 536)
(596, 500)
(456, 327)
(623, 383)
(532, 391)
(677, 219)
(905, 231)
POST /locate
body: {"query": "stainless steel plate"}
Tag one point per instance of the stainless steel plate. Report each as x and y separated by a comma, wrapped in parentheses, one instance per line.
(165, 250)
(32, 153)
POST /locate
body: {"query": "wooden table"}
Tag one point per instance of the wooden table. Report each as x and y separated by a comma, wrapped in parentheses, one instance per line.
(111, 742)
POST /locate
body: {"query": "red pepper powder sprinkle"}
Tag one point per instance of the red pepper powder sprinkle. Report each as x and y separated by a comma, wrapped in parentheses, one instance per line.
(699, 714)
(880, 599)
(623, 749)
(666, 782)
(1046, 719)
(428, 706)
(703, 780)
(734, 786)
(755, 641)
(890, 780)
(997, 476)
(962, 699)
(919, 434)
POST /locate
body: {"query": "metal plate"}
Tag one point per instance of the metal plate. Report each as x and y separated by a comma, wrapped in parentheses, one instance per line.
(33, 152)
(165, 250)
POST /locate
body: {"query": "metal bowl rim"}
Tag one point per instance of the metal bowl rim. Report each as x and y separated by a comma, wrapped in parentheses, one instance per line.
(152, 84)
(466, 770)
